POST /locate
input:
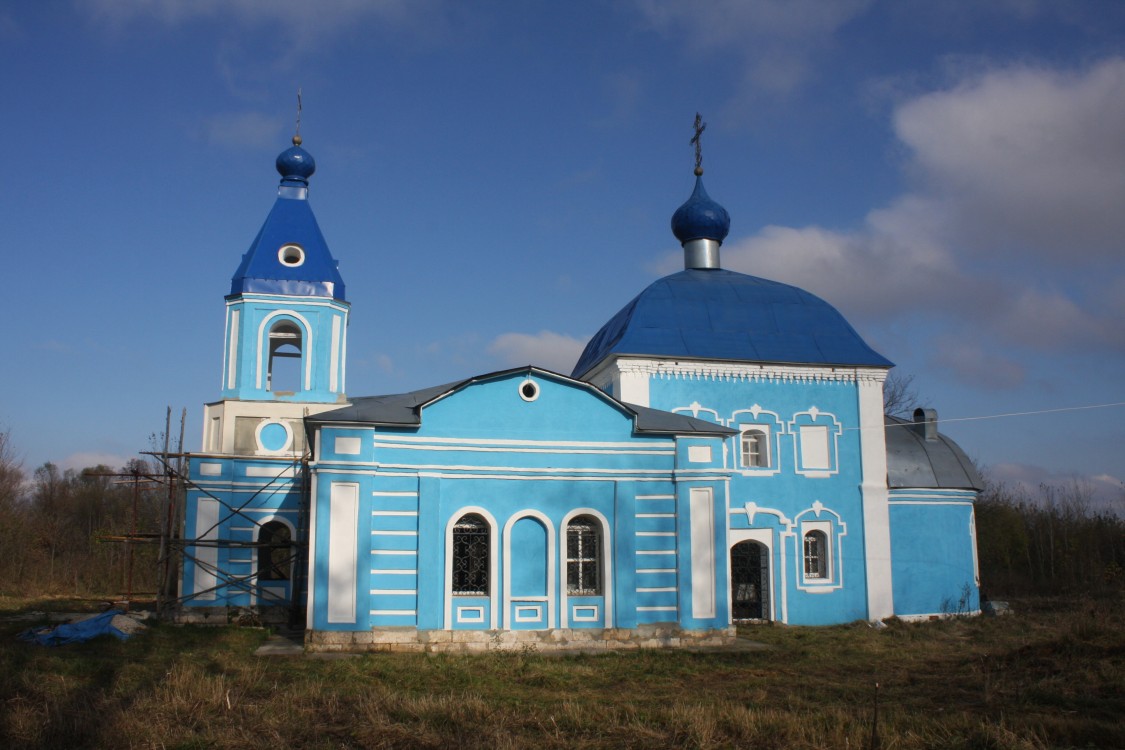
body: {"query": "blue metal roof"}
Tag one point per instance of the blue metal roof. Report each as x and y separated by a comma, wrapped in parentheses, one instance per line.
(722, 315)
(290, 222)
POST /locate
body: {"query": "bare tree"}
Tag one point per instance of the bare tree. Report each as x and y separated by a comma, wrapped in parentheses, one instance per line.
(900, 397)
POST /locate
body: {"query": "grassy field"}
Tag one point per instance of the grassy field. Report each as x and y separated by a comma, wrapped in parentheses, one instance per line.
(1052, 675)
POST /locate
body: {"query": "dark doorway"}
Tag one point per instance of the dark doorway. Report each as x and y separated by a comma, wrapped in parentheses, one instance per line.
(750, 581)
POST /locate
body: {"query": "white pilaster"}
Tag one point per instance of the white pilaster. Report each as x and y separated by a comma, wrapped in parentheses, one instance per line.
(876, 512)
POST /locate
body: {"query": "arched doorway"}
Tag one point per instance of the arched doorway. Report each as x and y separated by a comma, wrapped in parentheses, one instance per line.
(750, 581)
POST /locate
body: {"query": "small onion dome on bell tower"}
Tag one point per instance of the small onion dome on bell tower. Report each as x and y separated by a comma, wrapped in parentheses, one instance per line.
(295, 165)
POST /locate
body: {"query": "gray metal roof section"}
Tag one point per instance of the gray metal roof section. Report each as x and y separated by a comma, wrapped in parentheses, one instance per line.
(405, 409)
(933, 461)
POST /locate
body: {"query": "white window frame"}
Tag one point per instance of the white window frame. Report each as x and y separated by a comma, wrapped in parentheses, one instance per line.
(823, 555)
(802, 428)
(757, 418)
(764, 444)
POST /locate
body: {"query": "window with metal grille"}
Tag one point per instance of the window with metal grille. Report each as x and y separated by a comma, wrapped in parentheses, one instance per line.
(470, 556)
(583, 557)
(755, 449)
(816, 548)
(275, 552)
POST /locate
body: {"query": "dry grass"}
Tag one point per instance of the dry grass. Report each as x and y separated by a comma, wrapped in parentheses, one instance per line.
(1050, 676)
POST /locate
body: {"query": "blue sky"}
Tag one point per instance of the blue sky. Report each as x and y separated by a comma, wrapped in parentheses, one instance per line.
(496, 180)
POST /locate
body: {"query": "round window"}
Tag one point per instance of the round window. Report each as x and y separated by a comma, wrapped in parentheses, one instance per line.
(529, 390)
(273, 436)
(291, 255)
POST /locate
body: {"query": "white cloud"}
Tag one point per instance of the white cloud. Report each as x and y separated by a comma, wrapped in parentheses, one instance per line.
(1032, 160)
(777, 37)
(891, 265)
(546, 349)
(1028, 158)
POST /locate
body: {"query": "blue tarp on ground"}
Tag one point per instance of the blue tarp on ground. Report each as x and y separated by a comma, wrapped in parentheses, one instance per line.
(76, 632)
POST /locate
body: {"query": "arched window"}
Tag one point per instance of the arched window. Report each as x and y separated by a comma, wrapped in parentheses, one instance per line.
(284, 372)
(470, 556)
(755, 448)
(816, 555)
(584, 557)
(275, 552)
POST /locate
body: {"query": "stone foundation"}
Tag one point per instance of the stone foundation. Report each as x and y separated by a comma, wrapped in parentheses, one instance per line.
(231, 616)
(411, 640)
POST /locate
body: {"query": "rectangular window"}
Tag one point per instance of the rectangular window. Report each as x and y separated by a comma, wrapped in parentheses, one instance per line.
(583, 555)
(815, 564)
(755, 447)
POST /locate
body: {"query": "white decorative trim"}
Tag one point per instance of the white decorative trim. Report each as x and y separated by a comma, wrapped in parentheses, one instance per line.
(834, 533)
(607, 563)
(334, 361)
(270, 472)
(876, 508)
(306, 346)
(466, 615)
(232, 350)
(549, 530)
(284, 258)
(528, 389)
(342, 552)
(578, 610)
(699, 454)
(772, 425)
(529, 613)
(763, 537)
(210, 470)
(797, 427)
(695, 408)
(752, 510)
(481, 449)
(702, 536)
(493, 568)
(740, 371)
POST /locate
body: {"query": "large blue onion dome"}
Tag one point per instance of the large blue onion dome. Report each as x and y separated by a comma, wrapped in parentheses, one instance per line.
(700, 218)
(719, 315)
(294, 164)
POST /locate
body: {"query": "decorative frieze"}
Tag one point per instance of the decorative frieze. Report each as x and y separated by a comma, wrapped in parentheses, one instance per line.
(706, 370)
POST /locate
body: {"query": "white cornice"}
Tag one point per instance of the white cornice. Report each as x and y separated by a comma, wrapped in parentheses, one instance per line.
(715, 370)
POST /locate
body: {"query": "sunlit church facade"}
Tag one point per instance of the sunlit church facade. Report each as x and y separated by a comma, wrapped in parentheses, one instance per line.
(718, 455)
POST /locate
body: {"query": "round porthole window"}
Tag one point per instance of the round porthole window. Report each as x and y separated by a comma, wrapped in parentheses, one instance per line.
(529, 390)
(273, 436)
(291, 255)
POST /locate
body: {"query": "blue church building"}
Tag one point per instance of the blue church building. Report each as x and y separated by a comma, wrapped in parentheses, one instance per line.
(718, 455)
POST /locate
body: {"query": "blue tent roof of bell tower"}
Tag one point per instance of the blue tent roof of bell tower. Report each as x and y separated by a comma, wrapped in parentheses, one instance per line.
(290, 222)
(289, 255)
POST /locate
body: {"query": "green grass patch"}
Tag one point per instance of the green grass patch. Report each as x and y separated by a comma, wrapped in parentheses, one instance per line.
(1049, 676)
